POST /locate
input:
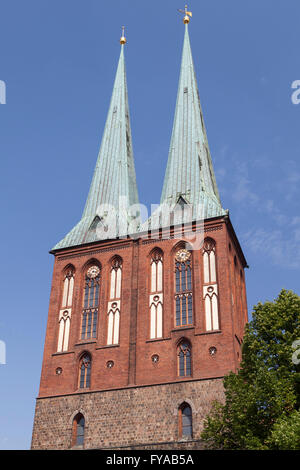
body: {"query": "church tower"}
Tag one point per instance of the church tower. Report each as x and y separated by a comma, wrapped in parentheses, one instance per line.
(145, 317)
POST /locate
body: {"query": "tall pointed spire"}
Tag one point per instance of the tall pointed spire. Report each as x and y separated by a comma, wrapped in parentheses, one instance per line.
(189, 175)
(114, 177)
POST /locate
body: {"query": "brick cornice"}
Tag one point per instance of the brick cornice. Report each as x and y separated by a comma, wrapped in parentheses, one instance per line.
(94, 252)
(129, 387)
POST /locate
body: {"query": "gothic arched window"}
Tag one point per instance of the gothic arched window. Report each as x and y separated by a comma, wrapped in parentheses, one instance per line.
(114, 303)
(78, 430)
(90, 303)
(65, 311)
(64, 330)
(184, 366)
(156, 295)
(68, 288)
(209, 261)
(183, 288)
(210, 288)
(85, 371)
(185, 423)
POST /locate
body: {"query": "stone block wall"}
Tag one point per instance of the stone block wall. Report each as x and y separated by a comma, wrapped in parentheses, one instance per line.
(131, 418)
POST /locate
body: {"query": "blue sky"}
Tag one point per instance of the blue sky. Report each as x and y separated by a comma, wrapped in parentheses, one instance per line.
(58, 60)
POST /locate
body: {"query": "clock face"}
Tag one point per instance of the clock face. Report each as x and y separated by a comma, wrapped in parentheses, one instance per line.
(183, 255)
(93, 271)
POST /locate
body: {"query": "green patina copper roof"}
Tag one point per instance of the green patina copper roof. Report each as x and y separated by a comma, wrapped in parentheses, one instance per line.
(114, 175)
(189, 175)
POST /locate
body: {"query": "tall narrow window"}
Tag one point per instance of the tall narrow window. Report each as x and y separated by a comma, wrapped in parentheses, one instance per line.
(156, 295)
(90, 303)
(184, 368)
(114, 303)
(210, 288)
(78, 430)
(65, 311)
(85, 371)
(183, 288)
(185, 421)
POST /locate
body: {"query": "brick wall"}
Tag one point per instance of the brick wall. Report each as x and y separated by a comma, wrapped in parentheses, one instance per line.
(133, 366)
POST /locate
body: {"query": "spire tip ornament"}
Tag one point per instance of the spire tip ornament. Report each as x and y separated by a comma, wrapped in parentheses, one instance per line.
(187, 14)
(123, 39)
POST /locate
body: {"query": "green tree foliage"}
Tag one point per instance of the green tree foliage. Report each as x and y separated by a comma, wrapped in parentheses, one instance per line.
(285, 434)
(262, 400)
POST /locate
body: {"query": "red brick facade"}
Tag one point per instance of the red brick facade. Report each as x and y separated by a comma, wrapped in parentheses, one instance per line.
(134, 404)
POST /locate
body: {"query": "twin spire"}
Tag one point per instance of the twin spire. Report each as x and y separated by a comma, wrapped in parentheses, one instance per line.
(114, 175)
(189, 175)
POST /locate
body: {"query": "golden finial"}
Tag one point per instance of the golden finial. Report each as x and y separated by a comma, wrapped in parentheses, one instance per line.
(187, 14)
(123, 39)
